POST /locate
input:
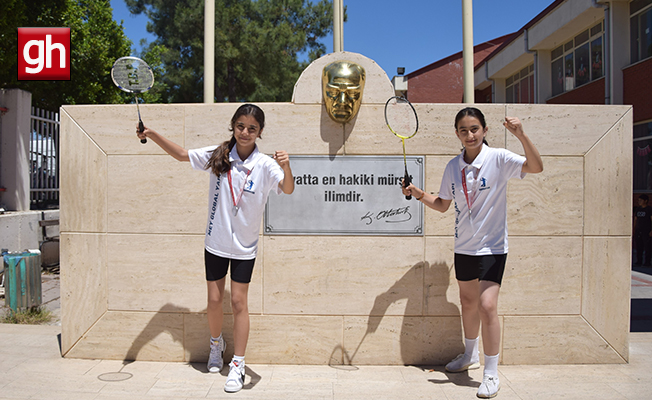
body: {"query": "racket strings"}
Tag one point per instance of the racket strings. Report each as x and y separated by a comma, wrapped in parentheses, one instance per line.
(401, 118)
(132, 75)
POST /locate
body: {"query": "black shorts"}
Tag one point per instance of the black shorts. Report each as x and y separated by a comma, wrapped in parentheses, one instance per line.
(216, 268)
(485, 268)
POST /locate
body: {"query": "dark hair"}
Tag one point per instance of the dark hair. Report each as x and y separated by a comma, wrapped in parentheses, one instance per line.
(644, 197)
(474, 113)
(219, 161)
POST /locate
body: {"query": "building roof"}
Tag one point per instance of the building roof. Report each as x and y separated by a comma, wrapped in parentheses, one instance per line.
(499, 41)
(513, 36)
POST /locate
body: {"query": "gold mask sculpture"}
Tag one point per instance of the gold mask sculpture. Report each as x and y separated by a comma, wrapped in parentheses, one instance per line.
(343, 83)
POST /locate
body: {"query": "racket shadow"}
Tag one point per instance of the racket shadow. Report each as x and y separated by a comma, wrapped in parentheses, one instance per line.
(418, 344)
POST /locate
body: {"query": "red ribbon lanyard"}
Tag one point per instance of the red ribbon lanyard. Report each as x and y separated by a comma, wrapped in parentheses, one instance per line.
(235, 202)
(466, 193)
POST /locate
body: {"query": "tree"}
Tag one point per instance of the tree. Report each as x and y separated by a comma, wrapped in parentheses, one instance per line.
(96, 42)
(257, 44)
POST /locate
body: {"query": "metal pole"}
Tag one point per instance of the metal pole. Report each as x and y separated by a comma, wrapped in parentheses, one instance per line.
(467, 50)
(209, 51)
(341, 17)
(338, 22)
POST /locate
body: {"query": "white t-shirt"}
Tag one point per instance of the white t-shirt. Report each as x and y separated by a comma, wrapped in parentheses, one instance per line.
(229, 235)
(483, 230)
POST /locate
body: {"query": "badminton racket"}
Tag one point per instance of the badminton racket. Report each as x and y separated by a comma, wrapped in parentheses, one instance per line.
(401, 119)
(133, 75)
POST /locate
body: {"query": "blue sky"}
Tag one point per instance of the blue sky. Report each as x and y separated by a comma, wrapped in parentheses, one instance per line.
(408, 33)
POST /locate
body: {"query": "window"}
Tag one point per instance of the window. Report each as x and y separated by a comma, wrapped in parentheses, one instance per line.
(578, 61)
(596, 58)
(583, 73)
(643, 157)
(569, 70)
(641, 30)
(519, 88)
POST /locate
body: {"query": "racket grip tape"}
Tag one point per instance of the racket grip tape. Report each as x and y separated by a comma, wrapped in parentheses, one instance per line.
(141, 128)
(406, 183)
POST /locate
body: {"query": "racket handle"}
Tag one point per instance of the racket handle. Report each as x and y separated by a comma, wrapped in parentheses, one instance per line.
(406, 183)
(141, 128)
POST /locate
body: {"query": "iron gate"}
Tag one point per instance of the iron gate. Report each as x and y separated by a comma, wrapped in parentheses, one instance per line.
(44, 159)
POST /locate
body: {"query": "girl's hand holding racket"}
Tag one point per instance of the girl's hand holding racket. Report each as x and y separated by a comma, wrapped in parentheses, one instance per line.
(142, 132)
(411, 190)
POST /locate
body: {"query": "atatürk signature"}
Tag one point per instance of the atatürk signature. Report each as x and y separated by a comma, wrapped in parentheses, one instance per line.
(393, 215)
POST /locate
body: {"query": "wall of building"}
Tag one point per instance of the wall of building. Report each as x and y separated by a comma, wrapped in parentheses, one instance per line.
(15, 128)
(484, 96)
(21, 231)
(442, 82)
(638, 89)
(590, 93)
(132, 276)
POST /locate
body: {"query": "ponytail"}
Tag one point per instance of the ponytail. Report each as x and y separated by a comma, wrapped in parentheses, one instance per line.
(219, 162)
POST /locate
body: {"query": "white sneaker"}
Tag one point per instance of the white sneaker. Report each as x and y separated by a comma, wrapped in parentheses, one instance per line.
(460, 363)
(236, 377)
(489, 387)
(216, 358)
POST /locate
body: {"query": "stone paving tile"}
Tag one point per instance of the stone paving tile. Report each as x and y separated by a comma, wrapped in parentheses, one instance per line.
(638, 391)
(365, 390)
(549, 389)
(180, 387)
(591, 373)
(31, 367)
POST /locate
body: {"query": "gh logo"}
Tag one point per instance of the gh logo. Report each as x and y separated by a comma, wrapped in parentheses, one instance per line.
(44, 54)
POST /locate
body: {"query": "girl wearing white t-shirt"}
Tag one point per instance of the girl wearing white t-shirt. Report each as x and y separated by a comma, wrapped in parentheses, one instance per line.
(477, 181)
(241, 179)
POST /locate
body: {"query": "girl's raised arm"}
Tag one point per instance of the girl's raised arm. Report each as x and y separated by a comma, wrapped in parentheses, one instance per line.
(173, 149)
(283, 159)
(533, 163)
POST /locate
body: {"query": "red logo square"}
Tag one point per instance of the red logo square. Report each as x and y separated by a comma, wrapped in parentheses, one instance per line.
(44, 54)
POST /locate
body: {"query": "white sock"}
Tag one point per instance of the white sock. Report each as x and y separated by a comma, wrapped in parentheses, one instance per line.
(491, 365)
(239, 360)
(216, 340)
(471, 349)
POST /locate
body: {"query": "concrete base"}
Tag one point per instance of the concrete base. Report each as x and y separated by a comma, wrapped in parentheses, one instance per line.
(20, 230)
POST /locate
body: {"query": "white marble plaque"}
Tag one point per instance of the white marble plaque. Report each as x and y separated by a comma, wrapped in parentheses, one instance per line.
(348, 195)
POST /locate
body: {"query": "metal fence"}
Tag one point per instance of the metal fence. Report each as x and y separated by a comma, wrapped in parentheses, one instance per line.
(44, 159)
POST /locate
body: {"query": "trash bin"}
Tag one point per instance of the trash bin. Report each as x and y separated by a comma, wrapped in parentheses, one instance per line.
(22, 279)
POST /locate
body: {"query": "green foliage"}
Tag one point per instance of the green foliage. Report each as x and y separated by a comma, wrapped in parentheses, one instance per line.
(31, 316)
(96, 42)
(257, 43)
(153, 59)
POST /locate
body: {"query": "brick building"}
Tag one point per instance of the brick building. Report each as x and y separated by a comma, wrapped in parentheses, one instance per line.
(573, 52)
(441, 81)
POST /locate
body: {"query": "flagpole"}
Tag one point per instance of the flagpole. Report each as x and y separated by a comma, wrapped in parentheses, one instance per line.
(467, 50)
(338, 22)
(209, 51)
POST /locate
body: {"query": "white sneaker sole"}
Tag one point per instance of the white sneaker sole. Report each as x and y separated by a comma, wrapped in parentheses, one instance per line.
(488, 396)
(475, 365)
(214, 370)
(233, 389)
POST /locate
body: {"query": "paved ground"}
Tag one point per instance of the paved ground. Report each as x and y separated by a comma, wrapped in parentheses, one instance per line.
(641, 314)
(31, 367)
